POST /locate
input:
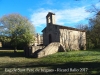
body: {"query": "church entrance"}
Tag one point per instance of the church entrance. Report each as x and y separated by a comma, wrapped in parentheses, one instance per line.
(50, 38)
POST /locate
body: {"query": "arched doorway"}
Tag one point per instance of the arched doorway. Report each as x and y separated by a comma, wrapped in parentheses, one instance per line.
(50, 38)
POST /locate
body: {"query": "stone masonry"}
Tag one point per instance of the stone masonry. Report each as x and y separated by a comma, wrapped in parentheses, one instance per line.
(57, 38)
(52, 48)
(70, 38)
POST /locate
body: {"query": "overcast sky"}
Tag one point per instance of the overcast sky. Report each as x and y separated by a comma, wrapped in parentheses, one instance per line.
(68, 12)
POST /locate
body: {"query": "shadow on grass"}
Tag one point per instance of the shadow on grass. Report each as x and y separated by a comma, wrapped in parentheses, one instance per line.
(71, 67)
(5, 48)
(10, 53)
(79, 67)
(74, 68)
(90, 65)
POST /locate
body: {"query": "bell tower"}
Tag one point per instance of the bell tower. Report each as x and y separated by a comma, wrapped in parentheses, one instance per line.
(50, 18)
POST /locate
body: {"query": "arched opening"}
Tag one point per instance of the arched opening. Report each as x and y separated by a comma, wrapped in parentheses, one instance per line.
(50, 38)
(49, 19)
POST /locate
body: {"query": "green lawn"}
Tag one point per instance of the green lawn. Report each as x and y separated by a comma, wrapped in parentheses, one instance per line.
(88, 60)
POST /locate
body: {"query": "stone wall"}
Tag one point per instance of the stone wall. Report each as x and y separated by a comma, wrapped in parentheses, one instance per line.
(28, 51)
(73, 40)
(38, 40)
(35, 48)
(70, 39)
(0, 44)
(53, 31)
(32, 50)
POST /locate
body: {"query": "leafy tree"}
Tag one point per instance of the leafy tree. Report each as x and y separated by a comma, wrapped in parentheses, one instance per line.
(17, 29)
(94, 30)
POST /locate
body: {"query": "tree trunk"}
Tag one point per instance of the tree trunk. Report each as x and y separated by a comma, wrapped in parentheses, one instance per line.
(15, 50)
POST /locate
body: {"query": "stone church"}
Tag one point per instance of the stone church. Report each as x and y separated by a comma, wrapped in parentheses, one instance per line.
(56, 38)
(70, 38)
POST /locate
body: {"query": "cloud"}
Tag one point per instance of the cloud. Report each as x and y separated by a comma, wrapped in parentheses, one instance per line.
(64, 16)
(38, 18)
(49, 2)
(97, 4)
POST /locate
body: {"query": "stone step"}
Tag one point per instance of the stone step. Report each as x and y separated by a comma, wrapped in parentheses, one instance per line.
(50, 49)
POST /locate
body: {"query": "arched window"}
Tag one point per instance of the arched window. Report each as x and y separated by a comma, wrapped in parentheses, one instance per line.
(49, 19)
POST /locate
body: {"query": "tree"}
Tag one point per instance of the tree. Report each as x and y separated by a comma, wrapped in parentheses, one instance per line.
(84, 27)
(93, 34)
(18, 29)
(94, 30)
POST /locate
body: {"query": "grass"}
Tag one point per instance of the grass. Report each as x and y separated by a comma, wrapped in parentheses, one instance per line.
(89, 59)
(74, 56)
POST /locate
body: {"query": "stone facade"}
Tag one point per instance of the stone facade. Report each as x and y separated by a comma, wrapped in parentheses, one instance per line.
(70, 38)
(0, 44)
(56, 38)
(73, 40)
(38, 40)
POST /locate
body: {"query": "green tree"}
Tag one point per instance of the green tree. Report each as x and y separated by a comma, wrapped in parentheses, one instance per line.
(18, 29)
(94, 30)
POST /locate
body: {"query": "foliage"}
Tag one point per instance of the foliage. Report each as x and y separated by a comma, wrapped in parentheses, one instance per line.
(17, 29)
(94, 32)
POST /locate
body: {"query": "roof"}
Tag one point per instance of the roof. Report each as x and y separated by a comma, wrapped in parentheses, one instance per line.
(50, 13)
(66, 27)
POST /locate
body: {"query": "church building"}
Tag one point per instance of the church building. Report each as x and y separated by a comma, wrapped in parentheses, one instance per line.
(70, 38)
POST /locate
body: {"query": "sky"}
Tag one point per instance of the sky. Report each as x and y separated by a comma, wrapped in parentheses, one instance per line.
(67, 12)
